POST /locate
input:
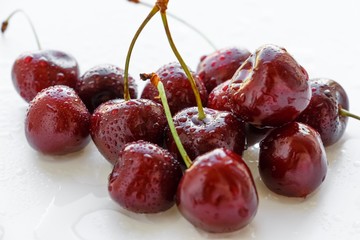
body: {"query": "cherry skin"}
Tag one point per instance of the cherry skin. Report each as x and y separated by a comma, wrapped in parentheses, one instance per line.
(57, 121)
(217, 193)
(177, 87)
(220, 98)
(102, 83)
(145, 178)
(218, 129)
(34, 71)
(220, 66)
(323, 112)
(292, 160)
(117, 122)
(275, 89)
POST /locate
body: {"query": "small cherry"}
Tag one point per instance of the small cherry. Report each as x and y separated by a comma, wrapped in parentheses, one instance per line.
(327, 111)
(144, 178)
(292, 160)
(57, 121)
(36, 70)
(102, 83)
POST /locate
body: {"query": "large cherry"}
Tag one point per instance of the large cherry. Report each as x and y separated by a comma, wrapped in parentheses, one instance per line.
(145, 178)
(178, 89)
(117, 122)
(275, 89)
(324, 112)
(220, 65)
(217, 193)
(102, 83)
(292, 160)
(57, 121)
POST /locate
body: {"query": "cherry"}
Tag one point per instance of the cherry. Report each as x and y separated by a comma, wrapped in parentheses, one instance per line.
(145, 178)
(275, 89)
(177, 87)
(220, 66)
(57, 121)
(292, 160)
(327, 110)
(36, 70)
(217, 193)
(217, 129)
(117, 122)
(220, 98)
(102, 83)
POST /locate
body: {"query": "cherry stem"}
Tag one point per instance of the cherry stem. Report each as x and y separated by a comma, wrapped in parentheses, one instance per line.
(346, 113)
(155, 80)
(181, 21)
(132, 44)
(201, 114)
(5, 25)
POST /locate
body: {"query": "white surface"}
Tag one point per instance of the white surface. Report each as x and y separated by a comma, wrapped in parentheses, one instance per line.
(45, 197)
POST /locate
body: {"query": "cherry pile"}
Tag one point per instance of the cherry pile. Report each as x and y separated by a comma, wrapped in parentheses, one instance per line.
(181, 143)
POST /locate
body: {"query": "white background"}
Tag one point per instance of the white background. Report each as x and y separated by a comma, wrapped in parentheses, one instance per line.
(45, 197)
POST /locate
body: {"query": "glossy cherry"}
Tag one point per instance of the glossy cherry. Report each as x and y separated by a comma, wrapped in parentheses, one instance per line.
(57, 121)
(275, 89)
(117, 122)
(145, 178)
(324, 110)
(177, 87)
(217, 193)
(102, 83)
(220, 98)
(292, 160)
(220, 65)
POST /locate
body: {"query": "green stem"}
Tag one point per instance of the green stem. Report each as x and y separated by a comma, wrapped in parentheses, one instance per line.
(346, 113)
(5, 24)
(131, 47)
(201, 114)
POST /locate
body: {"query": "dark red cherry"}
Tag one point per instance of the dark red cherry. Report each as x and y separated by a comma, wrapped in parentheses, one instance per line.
(102, 83)
(217, 129)
(217, 193)
(220, 66)
(177, 87)
(275, 89)
(220, 98)
(57, 121)
(34, 71)
(145, 178)
(117, 122)
(292, 160)
(323, 112)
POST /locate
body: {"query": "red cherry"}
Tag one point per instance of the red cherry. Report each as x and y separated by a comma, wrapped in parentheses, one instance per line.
(217, 193)
(292, 160)
(57, 121)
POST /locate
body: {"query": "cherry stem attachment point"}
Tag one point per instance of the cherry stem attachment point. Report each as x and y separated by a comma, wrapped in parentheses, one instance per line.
(201, 114)
(154, 10)
(155, 80)
(346, 113)
(5, 25)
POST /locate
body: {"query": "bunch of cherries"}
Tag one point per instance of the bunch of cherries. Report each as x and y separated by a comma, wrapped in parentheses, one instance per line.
(234, 100)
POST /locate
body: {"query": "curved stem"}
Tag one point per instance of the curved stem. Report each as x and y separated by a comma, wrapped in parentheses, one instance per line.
(132, 44)
(5, 25)
(196, 30)
(201, 114)
(155, 80)
(346, 113)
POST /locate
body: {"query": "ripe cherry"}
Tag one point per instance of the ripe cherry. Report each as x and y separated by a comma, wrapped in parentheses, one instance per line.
(220, 98)
(102, 83)
(220, 65)
(117, 122)
(275, 89)
(57, 121)
(217, 193)
(36, 70)
(292, 160)
(145, 178)
(177, 87)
